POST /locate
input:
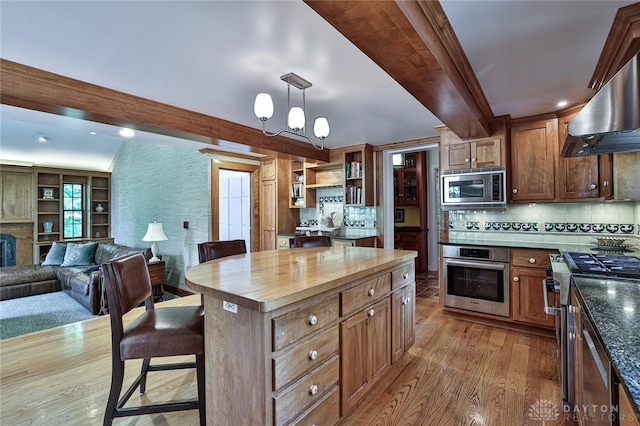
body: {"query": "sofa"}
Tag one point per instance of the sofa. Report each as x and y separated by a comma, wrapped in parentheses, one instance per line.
(77, 276)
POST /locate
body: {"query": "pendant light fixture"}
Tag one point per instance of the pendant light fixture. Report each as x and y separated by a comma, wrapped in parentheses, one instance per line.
(263, 109)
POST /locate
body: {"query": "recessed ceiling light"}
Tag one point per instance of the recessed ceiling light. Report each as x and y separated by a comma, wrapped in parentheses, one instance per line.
(93, 133)
(42, 138)
(563, 103)
(127, 133)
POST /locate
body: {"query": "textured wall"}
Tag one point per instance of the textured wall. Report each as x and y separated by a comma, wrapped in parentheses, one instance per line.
(167, 184)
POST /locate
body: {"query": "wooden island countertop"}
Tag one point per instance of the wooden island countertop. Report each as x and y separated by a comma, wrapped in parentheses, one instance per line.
(267, 280)
(299, 336)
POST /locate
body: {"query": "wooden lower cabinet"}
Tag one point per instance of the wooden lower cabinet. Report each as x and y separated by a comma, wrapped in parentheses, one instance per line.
(528, 270)
(626, 415)
(366, 355)
(403, 319)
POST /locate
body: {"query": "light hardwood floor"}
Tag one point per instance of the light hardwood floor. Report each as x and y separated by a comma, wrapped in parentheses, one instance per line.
(457, 373)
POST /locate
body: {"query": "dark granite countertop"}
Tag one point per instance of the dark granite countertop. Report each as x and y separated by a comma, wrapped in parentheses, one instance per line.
(613, 305)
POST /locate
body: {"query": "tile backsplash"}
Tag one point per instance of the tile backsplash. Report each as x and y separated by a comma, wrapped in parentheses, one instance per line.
(562, 222)
(331, 200)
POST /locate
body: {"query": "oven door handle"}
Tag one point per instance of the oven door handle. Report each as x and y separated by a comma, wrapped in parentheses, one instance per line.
(549, 310)
(480, 265)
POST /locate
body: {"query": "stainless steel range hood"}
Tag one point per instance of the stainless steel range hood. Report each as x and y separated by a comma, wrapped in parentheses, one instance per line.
(610, 121)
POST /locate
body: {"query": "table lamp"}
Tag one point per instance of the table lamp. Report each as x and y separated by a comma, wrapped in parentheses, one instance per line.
(154, 233)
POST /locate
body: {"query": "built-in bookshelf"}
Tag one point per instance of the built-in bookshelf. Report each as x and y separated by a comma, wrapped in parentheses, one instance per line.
(358, 176)
(49, 218)
(306, 178)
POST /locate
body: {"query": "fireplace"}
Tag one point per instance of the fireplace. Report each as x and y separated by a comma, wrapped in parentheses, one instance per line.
(7, 250)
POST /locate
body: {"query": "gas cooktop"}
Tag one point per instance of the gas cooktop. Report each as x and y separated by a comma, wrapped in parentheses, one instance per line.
(603, 264)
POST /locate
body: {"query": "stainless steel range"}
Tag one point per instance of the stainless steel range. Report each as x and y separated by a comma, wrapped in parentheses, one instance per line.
(563, 268)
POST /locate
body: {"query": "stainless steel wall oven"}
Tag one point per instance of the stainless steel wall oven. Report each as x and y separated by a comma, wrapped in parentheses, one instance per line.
(476, 279)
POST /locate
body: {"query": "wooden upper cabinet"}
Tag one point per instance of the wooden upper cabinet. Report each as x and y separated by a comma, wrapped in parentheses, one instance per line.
(533, 159)
(590, 176)
(456, 154)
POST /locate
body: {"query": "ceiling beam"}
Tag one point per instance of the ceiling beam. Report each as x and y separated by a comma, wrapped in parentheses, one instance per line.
(32, 88)
(413, 41)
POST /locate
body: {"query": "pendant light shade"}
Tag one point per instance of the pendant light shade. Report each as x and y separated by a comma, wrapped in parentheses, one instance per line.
(321, 127)
(263, 106)
(296, 119)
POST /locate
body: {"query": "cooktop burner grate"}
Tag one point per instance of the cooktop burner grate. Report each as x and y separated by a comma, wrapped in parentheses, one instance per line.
(604, 264)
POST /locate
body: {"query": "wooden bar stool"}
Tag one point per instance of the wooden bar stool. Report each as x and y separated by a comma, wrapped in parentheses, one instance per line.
(157, 332)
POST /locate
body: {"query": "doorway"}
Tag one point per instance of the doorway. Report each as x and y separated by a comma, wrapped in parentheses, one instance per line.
(432, 203)
(234, 191)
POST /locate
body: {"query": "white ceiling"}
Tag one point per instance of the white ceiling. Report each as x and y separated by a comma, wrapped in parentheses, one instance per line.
(214, 56)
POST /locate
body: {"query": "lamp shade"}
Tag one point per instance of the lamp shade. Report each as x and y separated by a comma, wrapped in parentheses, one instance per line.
(296, 118)
(321, 127)
(154, 233)
(263, 106)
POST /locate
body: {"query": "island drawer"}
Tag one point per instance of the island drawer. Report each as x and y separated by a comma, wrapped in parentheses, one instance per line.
(306, 391)
(402, 276)
(324, 412)
(531, 258)
(296, 325)
(365, 293)
(307, 355)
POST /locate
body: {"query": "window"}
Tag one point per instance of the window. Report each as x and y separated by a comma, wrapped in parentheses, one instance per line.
(73, 200)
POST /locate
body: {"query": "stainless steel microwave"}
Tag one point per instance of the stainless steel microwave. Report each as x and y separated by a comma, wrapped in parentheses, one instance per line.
(474, 189)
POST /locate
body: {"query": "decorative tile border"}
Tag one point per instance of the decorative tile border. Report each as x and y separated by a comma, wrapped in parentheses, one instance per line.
(560, 227)
(511, 226)
(590, 228)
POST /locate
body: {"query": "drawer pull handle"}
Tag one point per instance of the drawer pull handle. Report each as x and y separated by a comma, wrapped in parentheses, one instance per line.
(371, 292)
(313, 319)
(532, 260)
(516, 279)
(405, 276)
(313, 355)
(371, 312)
(313, 389)
(406, 301)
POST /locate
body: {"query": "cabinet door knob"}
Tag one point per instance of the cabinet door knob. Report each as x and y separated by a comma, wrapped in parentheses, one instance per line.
(313, 355)
(371, 312)
(371, 292)
(514, 190)
(473, 159)
(313, 389)
(593, 186)
(532, 260)
(313, 319)
(605, 183)
(466, 160)
(516, 279)
(405, 276)
(406, 301)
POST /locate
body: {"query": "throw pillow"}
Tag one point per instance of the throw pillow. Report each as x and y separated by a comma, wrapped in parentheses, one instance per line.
(80, 254)
(55, 255)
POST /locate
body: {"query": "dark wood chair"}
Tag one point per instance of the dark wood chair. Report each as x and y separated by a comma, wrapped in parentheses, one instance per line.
(157, 332)
(216, 249)
(310, 241)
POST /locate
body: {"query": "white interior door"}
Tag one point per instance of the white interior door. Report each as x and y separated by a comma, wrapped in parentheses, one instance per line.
(235, 206)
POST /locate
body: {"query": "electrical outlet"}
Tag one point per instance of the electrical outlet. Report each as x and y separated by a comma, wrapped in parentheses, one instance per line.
(185, 225)
(231, 307)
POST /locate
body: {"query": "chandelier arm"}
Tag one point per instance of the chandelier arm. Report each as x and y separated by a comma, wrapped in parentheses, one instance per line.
(285, 130)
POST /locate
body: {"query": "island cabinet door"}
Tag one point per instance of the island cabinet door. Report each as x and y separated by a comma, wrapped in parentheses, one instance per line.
(403, 313)
(365, 340)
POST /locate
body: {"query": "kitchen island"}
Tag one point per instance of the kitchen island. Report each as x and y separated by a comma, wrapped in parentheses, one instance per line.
(302, 334)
